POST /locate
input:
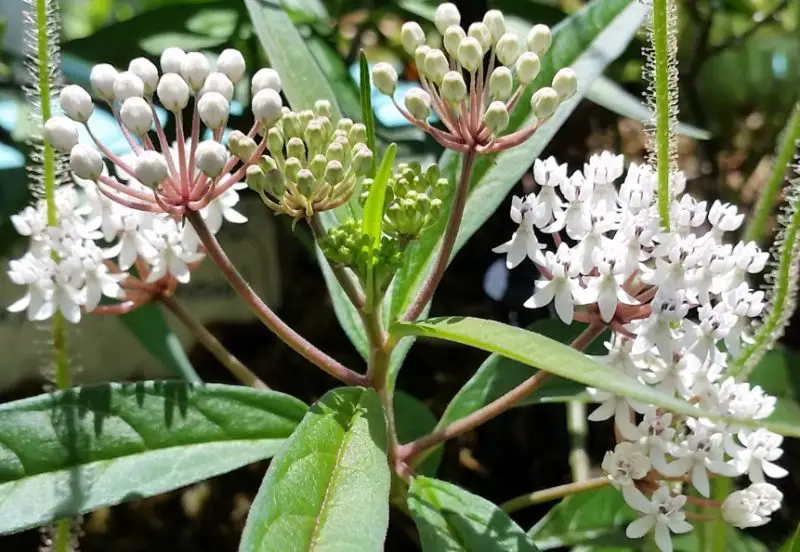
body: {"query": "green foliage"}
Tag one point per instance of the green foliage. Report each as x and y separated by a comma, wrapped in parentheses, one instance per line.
(414, 420)
(328, 489)
(367, 115)
(72, 451)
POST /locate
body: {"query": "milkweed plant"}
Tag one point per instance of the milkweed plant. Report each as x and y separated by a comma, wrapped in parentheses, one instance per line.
(622, 250)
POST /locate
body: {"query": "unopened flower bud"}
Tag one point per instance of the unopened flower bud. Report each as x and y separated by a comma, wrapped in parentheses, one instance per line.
(173, 92)
(453, 87)
(317, 166)
(267, 106)
(275, 182)
(292, 167)
(171, 60)
(314, 136)
(447, 14)
(136, 115)
(470, 54)
(102, 78)
(296, 148)
(255, 178)
(151, 168)
(335, 151)
(344, 124)
(306, 183)
(528, 66)
(565, 83)
(61, 133)
(334, 173)
(76, 103)
(213, 109)
(436, 65)
(220, 83)
(452, 39)
(418, 103)
(385, 78)
(496, 117)
(411, 36)
(291, 125)
(501, 83)
(147, 71)
(211, 157)
(275, 141)
(195, 68)
(539, 38)
(362, 160)
(241, 145)
(496, 23)
(481, 33)
(419, 56)
(358, 134)
(508, 49)
(265, 78)
(544, 103)
(231, 64)
(323, 108)
(127, 85)
(305, 117)
(86, 162)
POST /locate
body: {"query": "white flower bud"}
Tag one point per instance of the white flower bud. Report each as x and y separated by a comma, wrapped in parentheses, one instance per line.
(136, 115)
(419, 56)
(267, 107)
(61, 133)
(496, 117)
(452, 39)
(220, 83)
(446, 15)
(127, 85)
(453, 87)
(544, 103)
(265, 77)
(418, 103)
(508, 49)
(436, 65)
(211, 158)
(528, 66)
(213, 109)
(539, 38)
(231, 64)
(147, 71)
(565, 83)
(86, 162)
(385, 78)
(194, 69)
(470, 54)
(412, 37)
(496, 23)
(171, 60)
(173, 92)
(501, 83)
(76, 103)
(482, 34)
(102, 77)
(151, 168)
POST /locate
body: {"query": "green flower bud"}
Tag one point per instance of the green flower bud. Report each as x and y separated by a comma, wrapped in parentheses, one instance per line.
(482, 34)
(384, 77)
(496, 23)
(544, 103)
(565, 83)
(305, 116)
(452, 39)
(418, 103)
(447, 14)
(423, 204)
(362, 160)
(453, 87)
(317, 166)
(436, 65)
(274, 181)
(315, 136)
(419, 57)
(306, 183)
(496, 117)
(241, 145)
(344, 124)
(296, 148)
(436, 209)
(292, 167)
(255, 178)
(470, 54)
(432, 174)
(322, 108)
(291, 125)
(335, 152)
(358, 134)
(508, 49)
(275, 142)
(528, 66)
(411, 37)
(501, 83)
(539, 39)
(334, 173)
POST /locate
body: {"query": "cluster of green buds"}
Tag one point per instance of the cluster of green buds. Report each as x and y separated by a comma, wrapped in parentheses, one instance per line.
(499, 66)
(312, 166)
(413, 200)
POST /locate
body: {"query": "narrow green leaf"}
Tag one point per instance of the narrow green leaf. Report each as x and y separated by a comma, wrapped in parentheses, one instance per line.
(544, 353)
(373, 208)
(303, 81)
(367, 116)
(328, 489)
(413, 420)
(450, 519)
(148, 325)
(793, 544)
(72, 451)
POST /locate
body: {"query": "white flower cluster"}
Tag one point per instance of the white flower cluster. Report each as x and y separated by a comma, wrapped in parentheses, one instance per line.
(672, 299)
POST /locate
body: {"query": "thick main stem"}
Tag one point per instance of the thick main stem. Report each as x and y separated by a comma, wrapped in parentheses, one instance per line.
(662, 112)
(546, 495)
(294, 340)
(225, 357)
(448, 241)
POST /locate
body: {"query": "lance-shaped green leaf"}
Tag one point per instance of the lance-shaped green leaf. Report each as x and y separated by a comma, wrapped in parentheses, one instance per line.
(372, 222)
(367, 116)
(328, 489)
(450, 519)
(587, 41)
(72, 451)
(561, 360)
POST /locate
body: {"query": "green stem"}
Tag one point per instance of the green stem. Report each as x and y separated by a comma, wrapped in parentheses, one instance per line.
(62, 536)
(757, 226)
(662, 104)
(554, 493)
(577, 427)
(716, 532)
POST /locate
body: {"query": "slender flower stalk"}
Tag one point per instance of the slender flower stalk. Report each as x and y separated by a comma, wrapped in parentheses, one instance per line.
(554, 493)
